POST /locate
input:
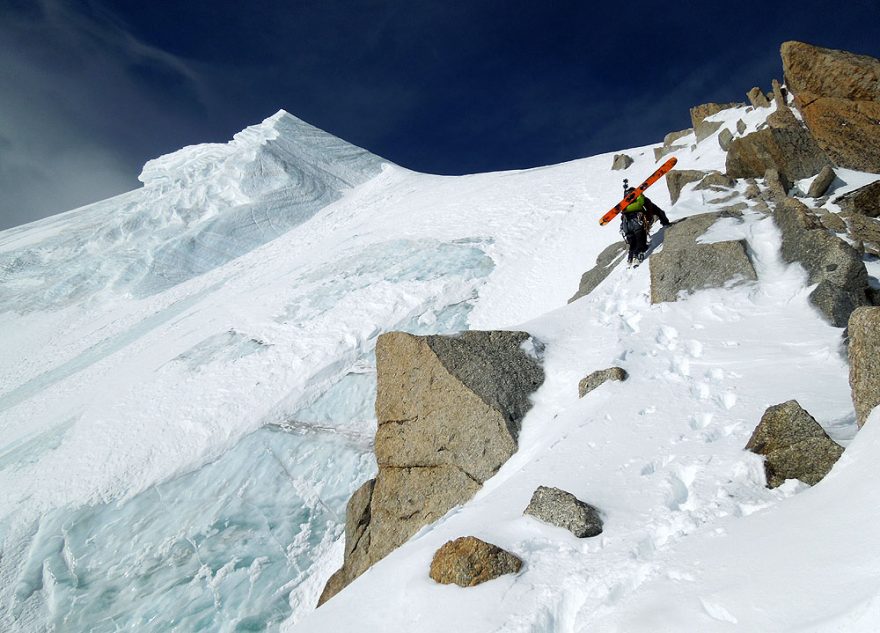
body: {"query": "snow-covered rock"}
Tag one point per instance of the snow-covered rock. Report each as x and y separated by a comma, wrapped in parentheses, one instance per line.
(832, 264)
(687, 263)
(449, 412)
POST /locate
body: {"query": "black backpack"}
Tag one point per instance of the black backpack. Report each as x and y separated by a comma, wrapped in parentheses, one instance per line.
(632, 223)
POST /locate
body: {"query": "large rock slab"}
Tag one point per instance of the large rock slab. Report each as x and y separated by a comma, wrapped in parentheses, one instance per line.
(456, 400)
(863, 201)
(847, 131)
(830, 73)
(449, 410)
(469, 561)
(605, 263)
(685, 265)
(678, 178)
(562, 509)
(864, 361)
(794, 445)
(830, 262)
(790, 150)
(838, 94)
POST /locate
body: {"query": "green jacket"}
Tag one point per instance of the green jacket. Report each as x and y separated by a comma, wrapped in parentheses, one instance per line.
(638, 205)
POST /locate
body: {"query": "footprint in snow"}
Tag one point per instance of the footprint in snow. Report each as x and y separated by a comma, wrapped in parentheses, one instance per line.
(700, 421)
(695, 348)
(667, 337)
(715, 375)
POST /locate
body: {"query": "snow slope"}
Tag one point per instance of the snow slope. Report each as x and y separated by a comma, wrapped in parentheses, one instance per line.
(187, 380)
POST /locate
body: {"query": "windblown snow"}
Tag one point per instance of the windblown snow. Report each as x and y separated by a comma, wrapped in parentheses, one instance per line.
(187, 382)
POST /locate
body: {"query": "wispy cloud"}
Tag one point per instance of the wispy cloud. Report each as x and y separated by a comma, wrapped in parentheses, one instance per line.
(77, 93)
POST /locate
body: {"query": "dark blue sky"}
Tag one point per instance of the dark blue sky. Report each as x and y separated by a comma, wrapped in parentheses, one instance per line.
(90, 90)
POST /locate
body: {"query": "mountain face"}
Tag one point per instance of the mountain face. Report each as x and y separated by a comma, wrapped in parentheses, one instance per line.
(199, 208)
(188, 380)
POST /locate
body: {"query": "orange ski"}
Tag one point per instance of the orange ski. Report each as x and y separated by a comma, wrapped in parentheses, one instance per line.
(631, 197)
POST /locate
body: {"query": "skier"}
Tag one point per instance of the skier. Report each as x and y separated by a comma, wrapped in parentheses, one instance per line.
(636, 221)
(635, 231)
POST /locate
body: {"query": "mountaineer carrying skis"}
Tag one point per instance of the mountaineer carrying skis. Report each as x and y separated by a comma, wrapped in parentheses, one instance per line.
(635, 221)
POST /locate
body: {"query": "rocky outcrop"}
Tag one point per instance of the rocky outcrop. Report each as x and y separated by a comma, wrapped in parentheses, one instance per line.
(777, 185)
(672, 137)
(829, 261)
(669, 143)
(780, 96)
(833, 222)
(685, 265)
(865, 230)
(716, 181)
(605, 263)
(864, 361)
(449, 410)
(704, 129)
(700, 112)
(621, 161)
(562, 509)
(863, 201)
(469, 561)
(838, 94)
(830, 73)
(678, 178)
(790, 150)
(821, 183)
(757, 98)
(794, 445)
(599, 378)
(846, 130)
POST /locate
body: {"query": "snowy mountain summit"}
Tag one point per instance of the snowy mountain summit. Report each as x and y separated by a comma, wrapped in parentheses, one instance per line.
(189, 400)
(200, 207)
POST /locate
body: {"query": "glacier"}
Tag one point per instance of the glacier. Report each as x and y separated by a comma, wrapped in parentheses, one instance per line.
(187, 385)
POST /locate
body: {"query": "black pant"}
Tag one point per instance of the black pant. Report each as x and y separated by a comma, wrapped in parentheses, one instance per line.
(638, 244)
